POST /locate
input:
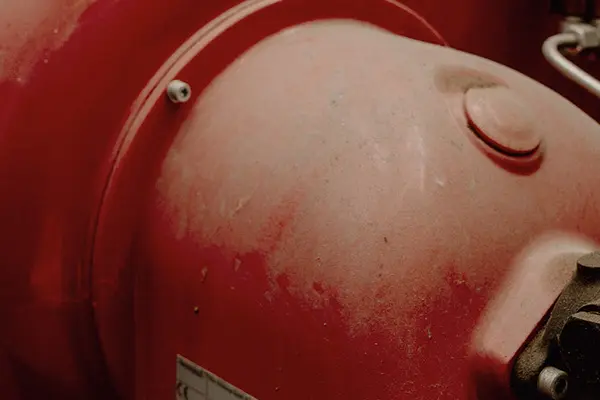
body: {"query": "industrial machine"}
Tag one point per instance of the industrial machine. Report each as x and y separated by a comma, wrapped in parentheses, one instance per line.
(297, 199)
(580, 32)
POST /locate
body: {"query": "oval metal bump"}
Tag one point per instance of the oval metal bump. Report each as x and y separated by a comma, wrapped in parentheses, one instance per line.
(502, 120)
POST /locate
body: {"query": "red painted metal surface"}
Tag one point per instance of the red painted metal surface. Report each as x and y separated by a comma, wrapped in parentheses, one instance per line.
(319, 222)
(536, 279)
(218, 44)
(509, 32)
(386, 272)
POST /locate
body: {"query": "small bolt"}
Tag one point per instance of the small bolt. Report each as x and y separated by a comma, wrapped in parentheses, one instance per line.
(589, 263)
(179, 91)
(553, 383)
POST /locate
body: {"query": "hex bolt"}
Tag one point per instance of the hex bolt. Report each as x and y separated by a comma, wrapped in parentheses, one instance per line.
(179, 91)
(553, 383)
(578, 344)
(589, 264)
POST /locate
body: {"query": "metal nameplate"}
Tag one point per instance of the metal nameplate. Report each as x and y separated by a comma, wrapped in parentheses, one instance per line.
(196, 383)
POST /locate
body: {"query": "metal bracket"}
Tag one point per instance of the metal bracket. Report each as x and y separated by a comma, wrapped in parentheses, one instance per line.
(588, 36)
(583, 36)
(196, 383)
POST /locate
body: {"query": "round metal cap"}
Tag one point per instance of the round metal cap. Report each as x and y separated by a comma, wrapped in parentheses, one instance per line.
(589, 263)
(553, 383)
(502, 120)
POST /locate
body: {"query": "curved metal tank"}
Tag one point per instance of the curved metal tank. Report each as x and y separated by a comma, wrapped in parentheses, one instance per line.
(339, 238)
(326, 217)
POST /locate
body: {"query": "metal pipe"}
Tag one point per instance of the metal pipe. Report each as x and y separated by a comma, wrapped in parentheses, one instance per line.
(551, 51)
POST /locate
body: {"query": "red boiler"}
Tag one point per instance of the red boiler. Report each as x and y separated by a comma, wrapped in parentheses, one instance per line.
(286, 199)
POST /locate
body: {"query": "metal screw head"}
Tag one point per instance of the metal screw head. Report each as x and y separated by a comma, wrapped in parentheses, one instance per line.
(553, 383)
(179, 91)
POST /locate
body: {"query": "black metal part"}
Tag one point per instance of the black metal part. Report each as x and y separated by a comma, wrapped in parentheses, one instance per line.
(578, 341)
(569, 339)
(589, 264)
(584, 9)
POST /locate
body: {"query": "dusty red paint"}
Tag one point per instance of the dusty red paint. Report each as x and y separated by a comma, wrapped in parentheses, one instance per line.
(536, 279)
(32, 30)
(57, 133)
(360, 243)
(112, 277)
(388, 223)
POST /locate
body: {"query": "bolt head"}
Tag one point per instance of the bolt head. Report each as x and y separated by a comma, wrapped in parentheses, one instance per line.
(179, 91)
(589, 263)
(553, 383)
